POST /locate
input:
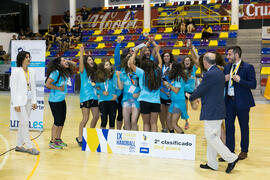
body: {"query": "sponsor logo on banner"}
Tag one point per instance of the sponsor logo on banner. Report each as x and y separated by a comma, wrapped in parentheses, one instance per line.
(144, 150)
(125, 2)
(32, 124)
(144, 144)
(118, 20)
(126, 140)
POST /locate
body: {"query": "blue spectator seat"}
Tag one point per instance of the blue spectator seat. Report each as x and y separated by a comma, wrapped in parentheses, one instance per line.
(202, 51)
(222, 43)
(233, 35)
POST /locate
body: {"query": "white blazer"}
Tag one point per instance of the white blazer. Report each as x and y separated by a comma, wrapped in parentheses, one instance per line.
(18, 87)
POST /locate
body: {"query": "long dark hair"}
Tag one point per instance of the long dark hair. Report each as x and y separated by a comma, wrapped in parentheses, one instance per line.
(152, 77)
(201, 63)
(21, 57)
(124, 62)
(190, 68)
(90, 71)
(177, 71)
(56, 65)
(220, 60)
(171, 57)
(103, 74)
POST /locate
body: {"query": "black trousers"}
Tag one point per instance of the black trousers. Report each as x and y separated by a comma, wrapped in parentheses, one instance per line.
(108, 108)
(59, 111)
(119, 108)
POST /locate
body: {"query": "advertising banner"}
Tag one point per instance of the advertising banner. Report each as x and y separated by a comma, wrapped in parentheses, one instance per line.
(248, 11)
(127, 2)
(163, 145)
(37, 49)
(117, 20)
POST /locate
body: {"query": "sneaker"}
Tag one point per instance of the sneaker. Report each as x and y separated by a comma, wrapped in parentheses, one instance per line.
(60, 142)
(54, 145)
(79, 142)
(165, 130)
(186, 126)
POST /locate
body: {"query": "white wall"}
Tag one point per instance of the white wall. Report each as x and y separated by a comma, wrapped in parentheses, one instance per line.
(48, 8)
(5, 39)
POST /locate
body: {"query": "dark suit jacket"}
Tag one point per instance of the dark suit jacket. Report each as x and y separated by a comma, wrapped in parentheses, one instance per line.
(242, 90)
(211, 91)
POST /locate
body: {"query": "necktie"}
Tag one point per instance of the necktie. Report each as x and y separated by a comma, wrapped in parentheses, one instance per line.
(232, 73)
(234, 66)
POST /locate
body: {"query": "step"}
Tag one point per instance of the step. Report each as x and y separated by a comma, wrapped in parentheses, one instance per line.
(250, 40)
(252, 32)
(261, 100)
(251, 56)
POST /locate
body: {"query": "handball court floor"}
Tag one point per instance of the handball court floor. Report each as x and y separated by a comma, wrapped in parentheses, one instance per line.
(72, 163)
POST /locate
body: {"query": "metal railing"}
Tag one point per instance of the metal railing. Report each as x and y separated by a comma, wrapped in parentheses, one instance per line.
(216, 19)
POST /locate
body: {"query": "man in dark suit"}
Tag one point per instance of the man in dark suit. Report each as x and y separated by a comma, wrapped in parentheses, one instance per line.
(240, 78)
(211, 92)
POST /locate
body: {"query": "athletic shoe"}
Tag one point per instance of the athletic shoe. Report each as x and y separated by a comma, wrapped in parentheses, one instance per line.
(60, 142)
(54, 145)
(165, 130)
(186, 126)
(79, 142)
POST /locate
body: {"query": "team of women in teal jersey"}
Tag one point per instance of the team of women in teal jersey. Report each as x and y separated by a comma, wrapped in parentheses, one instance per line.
(150, 85)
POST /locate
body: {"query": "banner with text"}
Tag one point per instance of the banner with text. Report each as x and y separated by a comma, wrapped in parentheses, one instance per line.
(164, 145)
(37, 49)
(117, 20)
(248, 11)
(127, 2)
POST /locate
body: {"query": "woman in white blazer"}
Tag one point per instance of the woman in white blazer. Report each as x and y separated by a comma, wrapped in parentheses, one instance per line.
(23, 99)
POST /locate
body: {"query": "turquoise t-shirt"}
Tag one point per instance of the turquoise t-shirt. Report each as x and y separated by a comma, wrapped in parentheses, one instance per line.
(190, 83)
(179, 83)
(57, 95)
(165, 73)
(147, 95)
(87, 91)
(130, 85)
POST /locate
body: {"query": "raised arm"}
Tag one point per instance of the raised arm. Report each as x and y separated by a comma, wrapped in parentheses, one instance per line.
(157, 48)
(131, 63)
(194, 54)
(117, 52)
(119, 83)
(152, 40)
(81, 66)
(144, 48)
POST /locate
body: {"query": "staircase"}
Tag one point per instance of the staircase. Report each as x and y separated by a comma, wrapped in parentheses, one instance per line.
(250, 42)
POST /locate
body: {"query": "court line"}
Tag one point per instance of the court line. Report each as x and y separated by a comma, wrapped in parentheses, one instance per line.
(4, 124)
(37, 161)
(7, 154)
